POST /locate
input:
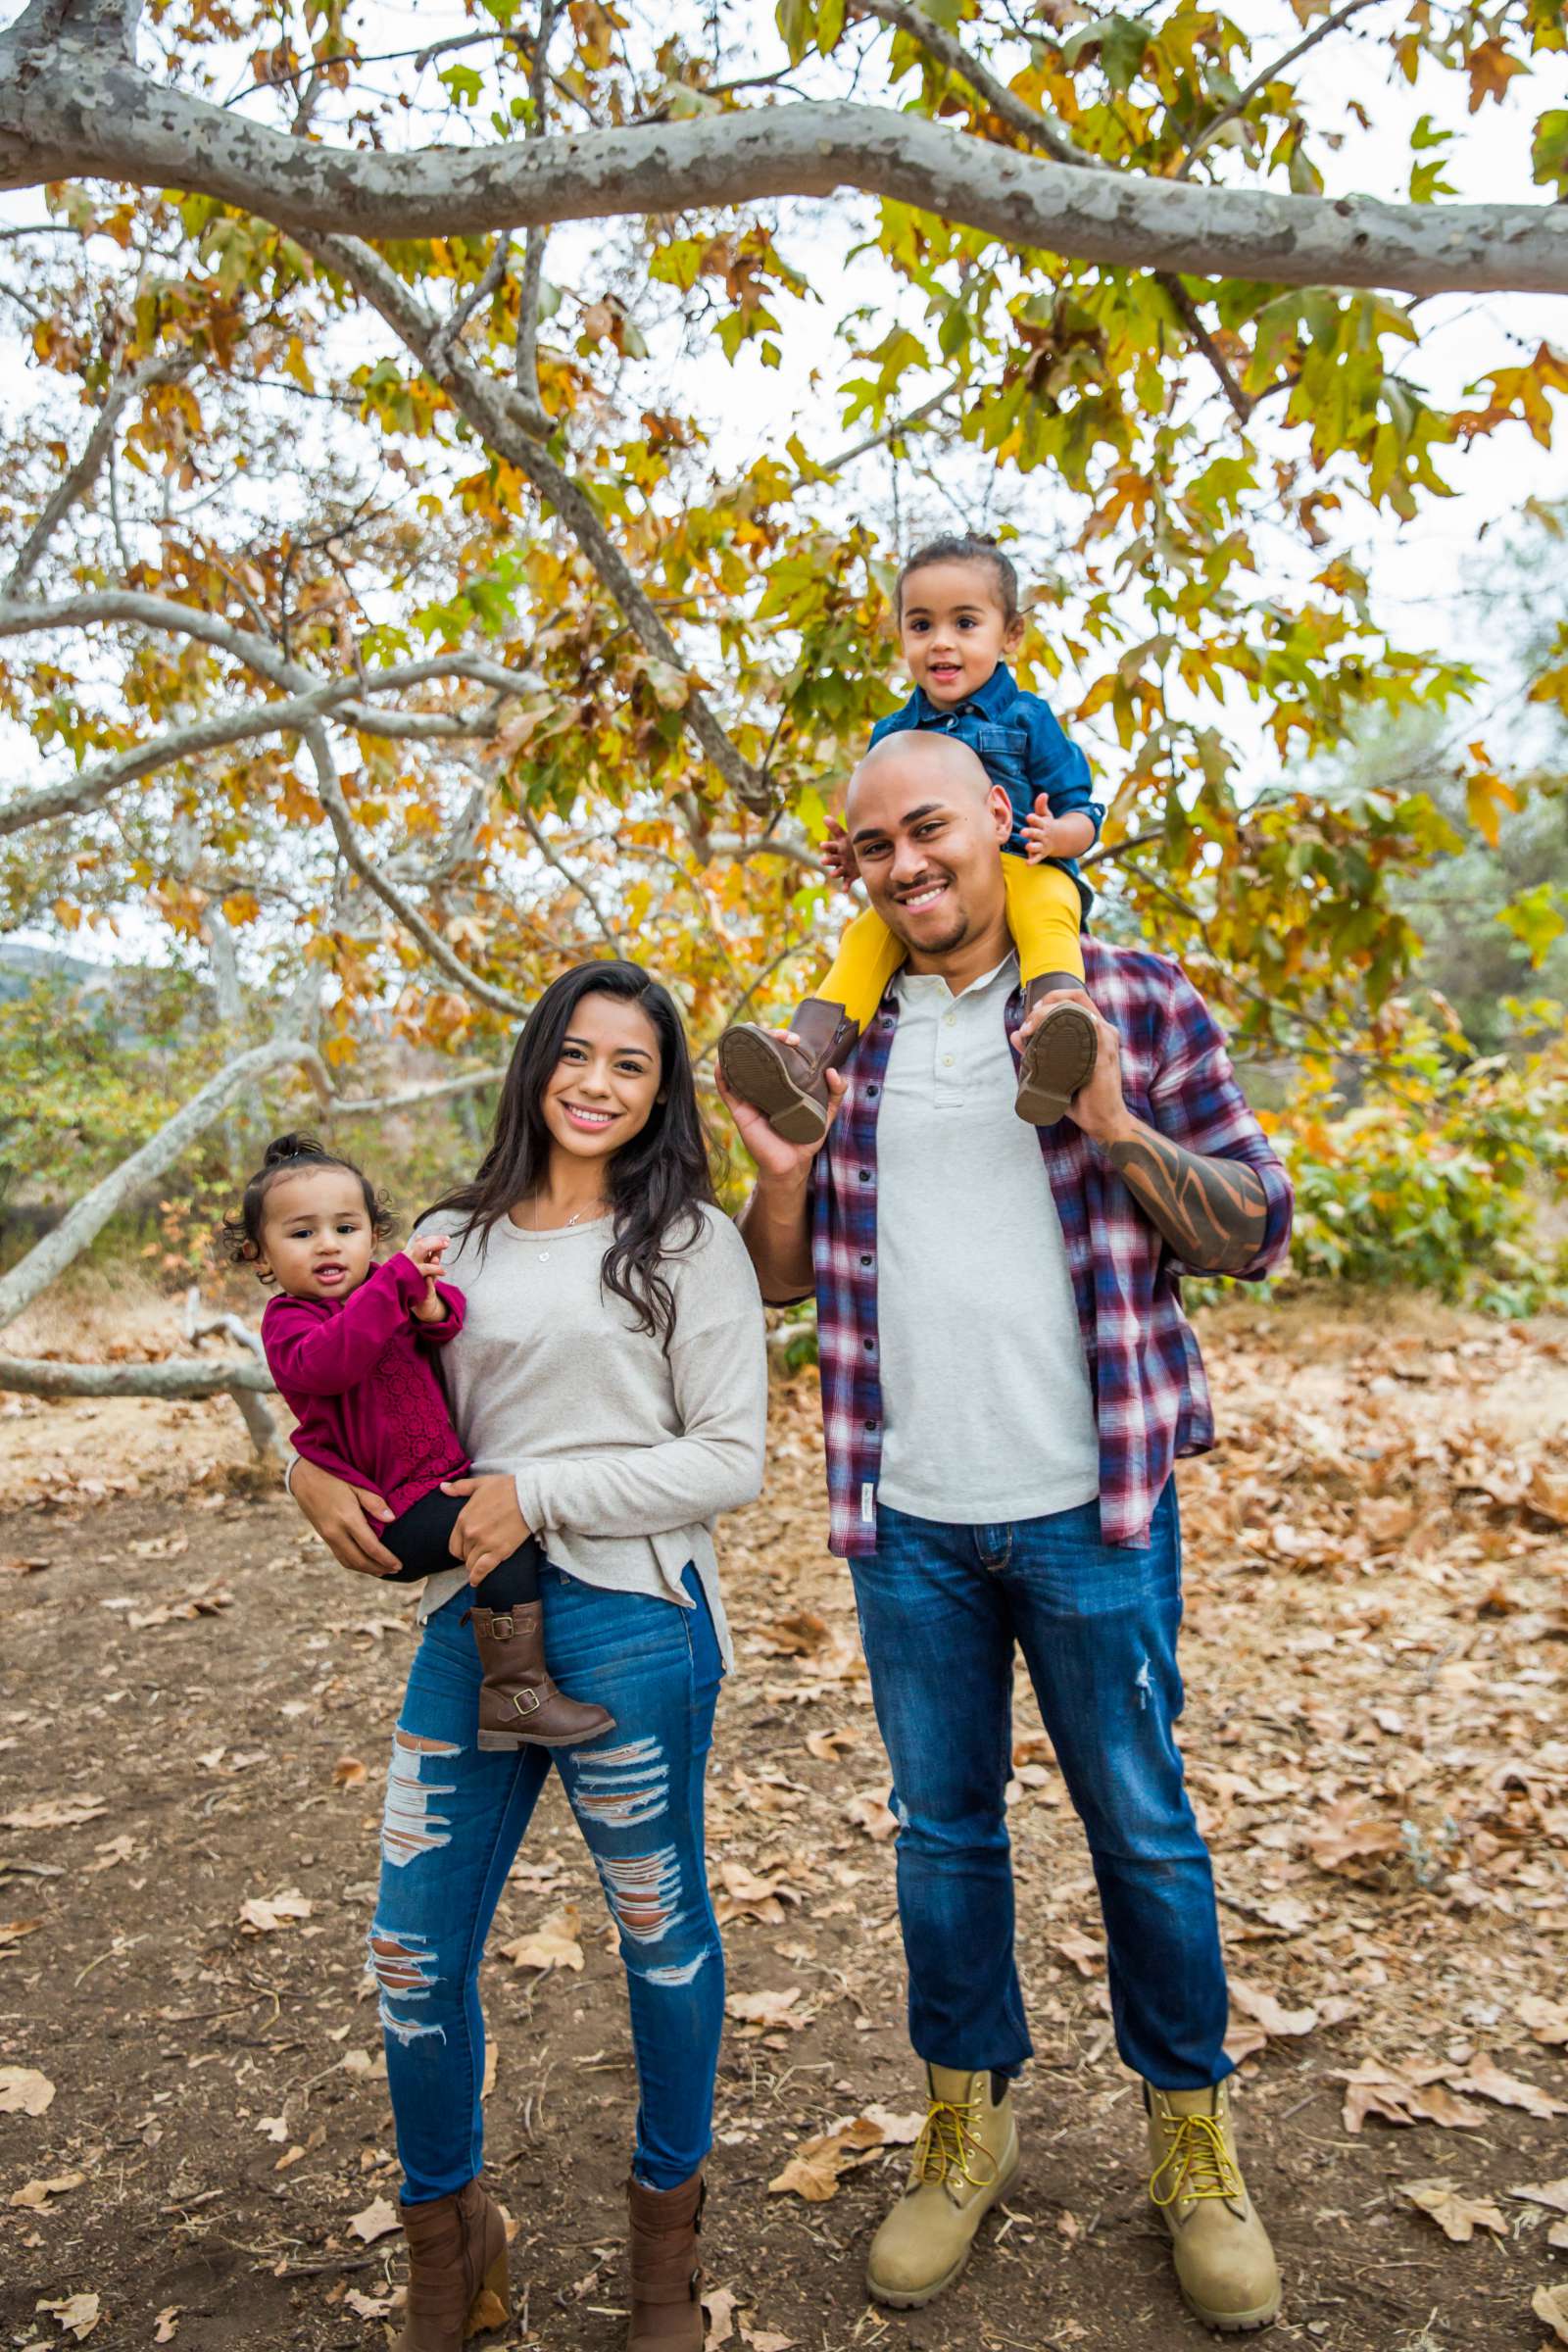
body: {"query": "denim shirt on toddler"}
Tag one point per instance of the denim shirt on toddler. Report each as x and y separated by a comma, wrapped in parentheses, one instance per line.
(1021, 745)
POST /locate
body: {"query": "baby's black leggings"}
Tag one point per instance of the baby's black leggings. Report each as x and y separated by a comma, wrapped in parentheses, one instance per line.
(419, 1538)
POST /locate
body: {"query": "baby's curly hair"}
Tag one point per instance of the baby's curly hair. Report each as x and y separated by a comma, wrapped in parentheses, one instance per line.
(239, 1238)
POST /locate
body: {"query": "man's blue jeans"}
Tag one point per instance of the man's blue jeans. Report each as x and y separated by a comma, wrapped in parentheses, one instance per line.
(455, 1818)
(940, 1609)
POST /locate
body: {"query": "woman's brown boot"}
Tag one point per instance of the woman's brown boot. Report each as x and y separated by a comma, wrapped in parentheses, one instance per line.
(666, 2278)
(458, 2282)
(519, 1705)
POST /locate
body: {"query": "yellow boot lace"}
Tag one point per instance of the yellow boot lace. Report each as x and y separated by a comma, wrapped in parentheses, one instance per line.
(1197, 2163)
(949, 2143)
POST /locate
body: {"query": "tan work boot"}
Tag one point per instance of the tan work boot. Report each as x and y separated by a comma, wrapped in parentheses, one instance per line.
(1224, 2263)
(962, 2163)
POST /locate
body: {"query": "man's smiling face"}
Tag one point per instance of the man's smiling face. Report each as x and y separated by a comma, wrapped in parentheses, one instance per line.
(927, 826)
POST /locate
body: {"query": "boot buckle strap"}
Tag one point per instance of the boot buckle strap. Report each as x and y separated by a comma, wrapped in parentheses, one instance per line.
(501, 1625)
(526, 1702)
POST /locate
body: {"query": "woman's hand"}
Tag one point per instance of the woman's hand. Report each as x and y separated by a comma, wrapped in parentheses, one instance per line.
(345, 1518)
(490, 1525)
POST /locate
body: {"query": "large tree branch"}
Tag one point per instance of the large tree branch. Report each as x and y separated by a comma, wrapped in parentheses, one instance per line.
(82, 1223)
(76, 795)
(78, 479)
(70, 108)
(499, 415)
(175, 1376)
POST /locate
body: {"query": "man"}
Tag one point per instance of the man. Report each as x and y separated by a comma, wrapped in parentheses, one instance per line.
(1007, 1380)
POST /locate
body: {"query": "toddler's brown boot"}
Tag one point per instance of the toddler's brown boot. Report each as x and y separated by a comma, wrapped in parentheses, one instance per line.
(788, 1084)
(1060, 1056)
(519, 1706)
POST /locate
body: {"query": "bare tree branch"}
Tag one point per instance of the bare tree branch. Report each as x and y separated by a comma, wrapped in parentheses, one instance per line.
(168, 369)
(1260, 82)
(533, 260)
(329, 792)
(86, 1219)
(493, 409)
(551, 857)
(175, 1376)
(412, 1097)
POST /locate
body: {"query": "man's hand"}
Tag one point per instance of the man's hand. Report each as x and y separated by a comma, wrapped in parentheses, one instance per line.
(1098, 1108)
(777, 1161)
(345, 1518)
(490, 1525)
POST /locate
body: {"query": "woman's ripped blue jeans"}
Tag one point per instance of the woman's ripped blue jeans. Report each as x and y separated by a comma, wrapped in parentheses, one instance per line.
(455, 1819)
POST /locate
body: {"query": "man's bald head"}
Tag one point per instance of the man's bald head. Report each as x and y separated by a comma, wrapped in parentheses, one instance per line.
(919, 753)
(927, 825)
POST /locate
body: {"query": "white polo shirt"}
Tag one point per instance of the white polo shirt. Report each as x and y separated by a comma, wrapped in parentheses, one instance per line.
(987, 1414)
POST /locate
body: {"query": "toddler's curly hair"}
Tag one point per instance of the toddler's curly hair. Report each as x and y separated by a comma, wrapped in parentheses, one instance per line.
(239, 1237)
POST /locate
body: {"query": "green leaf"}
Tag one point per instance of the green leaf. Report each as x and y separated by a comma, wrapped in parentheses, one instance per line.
(1548, 151)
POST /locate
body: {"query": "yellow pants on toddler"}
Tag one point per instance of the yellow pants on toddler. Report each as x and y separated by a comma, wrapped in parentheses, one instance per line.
(1045, 916)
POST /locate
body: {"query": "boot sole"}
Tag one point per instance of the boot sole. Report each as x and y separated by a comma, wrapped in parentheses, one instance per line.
(752, 1070)
(504, 1740)
(1058, 1060)
(1236, 2323)
(908, 2298)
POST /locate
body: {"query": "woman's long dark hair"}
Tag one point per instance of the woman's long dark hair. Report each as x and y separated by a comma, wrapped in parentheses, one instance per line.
(656, 1183)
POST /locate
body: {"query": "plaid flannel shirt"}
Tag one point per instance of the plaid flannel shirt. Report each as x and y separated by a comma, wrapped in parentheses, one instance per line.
(1151, 1400)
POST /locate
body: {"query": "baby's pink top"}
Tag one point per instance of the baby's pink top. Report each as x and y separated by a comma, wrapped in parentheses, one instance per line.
(358, 1374)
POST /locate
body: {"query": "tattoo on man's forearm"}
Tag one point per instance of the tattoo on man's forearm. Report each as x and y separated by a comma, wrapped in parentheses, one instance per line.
(1213, 1212)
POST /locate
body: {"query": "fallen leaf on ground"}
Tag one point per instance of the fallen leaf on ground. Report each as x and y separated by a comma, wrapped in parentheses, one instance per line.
(765, 2339)
(23, 2090)
(1082, 1952)
(1457, 2217)
(552, 1944)
(1348, 1835)
(1547, 2020)
(794, 1637)
(12, 1931)
(492, 2059)
(35, 2195)
(829, 1746)
(168, 2323)
(367, 2307)
(1265, 2011)
(54, 1813)
(719, 2306)
(348, 1773)
(765, 2009)
(1550, 2303)
(264, 1913)
(1390, 2092)
(1488, 2082)
(870, 1814)
(1545, 2192)
(78, 2315)
(378, 2219)
(112, 1852)
(813, 2172)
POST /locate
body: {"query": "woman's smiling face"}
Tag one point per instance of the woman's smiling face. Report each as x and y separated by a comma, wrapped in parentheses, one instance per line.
(603, 1089)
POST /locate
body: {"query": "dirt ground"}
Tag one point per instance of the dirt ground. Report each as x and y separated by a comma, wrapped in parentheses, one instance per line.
(195, 1707)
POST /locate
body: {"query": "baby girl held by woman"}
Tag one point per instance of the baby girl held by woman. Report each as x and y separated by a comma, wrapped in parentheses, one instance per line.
(351, 1345)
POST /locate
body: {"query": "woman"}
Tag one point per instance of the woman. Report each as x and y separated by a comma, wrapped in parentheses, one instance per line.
(610, 1385)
